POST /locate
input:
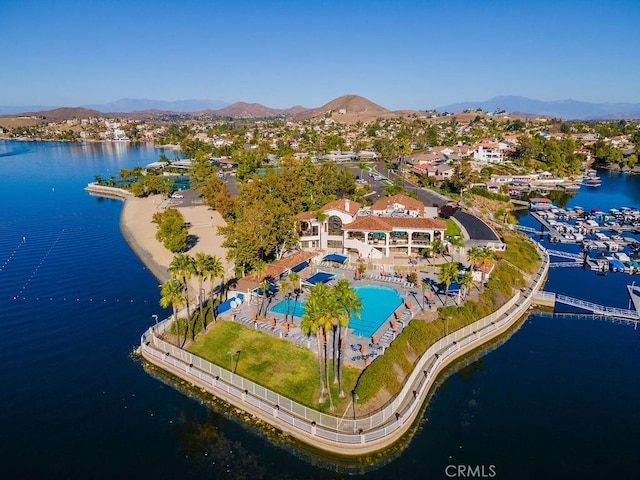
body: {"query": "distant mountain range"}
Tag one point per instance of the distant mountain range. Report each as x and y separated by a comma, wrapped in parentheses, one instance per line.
(346, 109)
(12, 110)
(566, 109)
(128, 105)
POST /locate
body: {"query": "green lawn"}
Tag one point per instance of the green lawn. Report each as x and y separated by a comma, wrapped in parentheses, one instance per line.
(283, 367)
(452, 228)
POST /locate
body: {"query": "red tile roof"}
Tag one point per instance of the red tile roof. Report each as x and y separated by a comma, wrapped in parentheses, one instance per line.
(341, 204)
(278, 267)
(386, 224)
(408, 202)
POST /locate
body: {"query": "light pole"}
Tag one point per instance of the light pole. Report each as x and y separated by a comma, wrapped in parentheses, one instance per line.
(155, 317)
(355, 399)
(237, 360)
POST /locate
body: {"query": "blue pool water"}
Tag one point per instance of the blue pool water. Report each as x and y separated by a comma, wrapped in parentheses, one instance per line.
(290, 307)
(378, 303)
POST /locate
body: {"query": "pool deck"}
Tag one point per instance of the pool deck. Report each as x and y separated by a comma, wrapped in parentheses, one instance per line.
(359, 351)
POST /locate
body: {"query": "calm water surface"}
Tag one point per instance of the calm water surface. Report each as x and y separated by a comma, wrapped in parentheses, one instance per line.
(558, 400)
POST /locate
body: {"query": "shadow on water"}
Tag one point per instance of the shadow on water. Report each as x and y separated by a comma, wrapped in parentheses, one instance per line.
(466, 366)
(14, 152)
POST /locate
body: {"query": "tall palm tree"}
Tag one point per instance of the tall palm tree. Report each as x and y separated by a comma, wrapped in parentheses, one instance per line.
(320, 217)
(321, 310)
(448, 273)
(311, 324)
(215, 270)
(423, 286)
(294, 283)
(474, 254)
(264, 287)
(466, 281)
(285, 288)
(437, 247)
(350, 305)
(172, 293)
(201, 263)
(182, 267)
(487, 258)
(260, 270)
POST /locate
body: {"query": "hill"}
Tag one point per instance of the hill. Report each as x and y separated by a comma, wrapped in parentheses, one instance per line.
(252, 110)
(350, 109)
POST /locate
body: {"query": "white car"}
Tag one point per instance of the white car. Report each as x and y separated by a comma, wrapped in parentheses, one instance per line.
(177, 195)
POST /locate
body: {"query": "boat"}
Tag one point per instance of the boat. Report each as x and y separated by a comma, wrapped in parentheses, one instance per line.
(592, 182)
(540, 203)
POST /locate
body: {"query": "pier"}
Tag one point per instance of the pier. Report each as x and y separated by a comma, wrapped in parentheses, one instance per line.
(550, 299)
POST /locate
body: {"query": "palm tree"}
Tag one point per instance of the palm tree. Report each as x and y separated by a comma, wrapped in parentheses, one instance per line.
(474, 254)
(487, 256)
(285, 288)
(261, 269)
(294, 283)
(172, 293)
(466, 281)
(182, 268)
(424, 285)
(320, 316)
(294, 279)
(311, 324)
(320, 217)
(351, 305)
(437, 246)
(215, 270)
(201, 264)
(448, 272)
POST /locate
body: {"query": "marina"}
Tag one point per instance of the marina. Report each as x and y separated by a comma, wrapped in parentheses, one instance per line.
(606, 239)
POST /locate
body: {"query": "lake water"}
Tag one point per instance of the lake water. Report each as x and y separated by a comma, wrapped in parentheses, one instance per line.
(558, 400)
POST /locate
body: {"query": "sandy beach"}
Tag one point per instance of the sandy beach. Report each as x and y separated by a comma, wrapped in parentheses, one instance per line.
(136, 226)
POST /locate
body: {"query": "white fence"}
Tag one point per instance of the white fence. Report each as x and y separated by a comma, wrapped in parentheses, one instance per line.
(361, 430)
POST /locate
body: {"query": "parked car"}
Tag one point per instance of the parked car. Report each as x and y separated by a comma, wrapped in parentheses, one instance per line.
(177, 195)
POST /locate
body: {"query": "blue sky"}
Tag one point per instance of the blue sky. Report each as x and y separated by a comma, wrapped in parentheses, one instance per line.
(399, 54)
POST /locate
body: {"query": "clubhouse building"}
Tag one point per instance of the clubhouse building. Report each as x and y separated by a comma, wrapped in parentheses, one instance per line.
(393, 226)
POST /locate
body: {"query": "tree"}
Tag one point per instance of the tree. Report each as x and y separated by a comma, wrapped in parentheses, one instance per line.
(285, 288)
(350, 305)
(200, 171)
(215, 270)
(487, 258)
(172, 293)
(474, 254)
(206, 266)
(466, 281)
(261, 269)
(424, 286)
(461, 177)
(172, 230)
(448, 273)
(182, 268)
(321, 217)
(312, 323)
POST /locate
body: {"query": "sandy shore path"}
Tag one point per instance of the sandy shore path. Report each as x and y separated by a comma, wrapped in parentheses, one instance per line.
(136, 226)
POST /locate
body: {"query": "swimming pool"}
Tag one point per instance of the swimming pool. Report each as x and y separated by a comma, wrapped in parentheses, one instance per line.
(378, 304)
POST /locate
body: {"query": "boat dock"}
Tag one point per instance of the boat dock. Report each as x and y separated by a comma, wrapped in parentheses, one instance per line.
(550, 299)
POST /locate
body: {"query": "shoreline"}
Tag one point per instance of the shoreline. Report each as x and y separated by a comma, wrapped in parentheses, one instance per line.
(158, 271)
(139, 231)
